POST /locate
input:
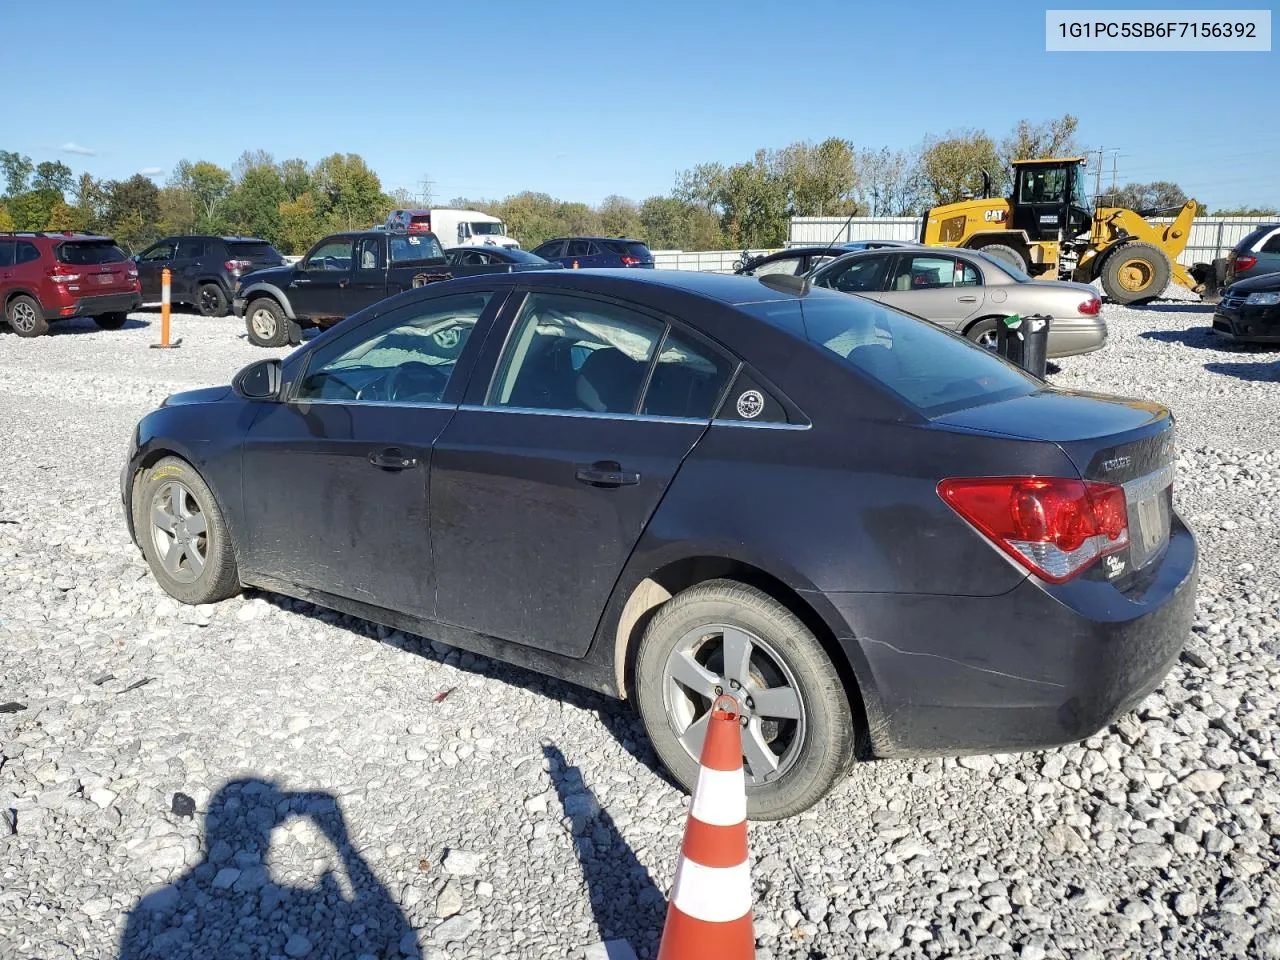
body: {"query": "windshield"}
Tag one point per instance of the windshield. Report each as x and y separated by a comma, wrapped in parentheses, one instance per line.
(488, 229)
(524, 256)
(930, 370)
(1078, 197)
(90, 251)
(422, 246)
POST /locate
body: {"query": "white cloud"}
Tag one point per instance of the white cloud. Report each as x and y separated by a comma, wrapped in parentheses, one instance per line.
(73, 147)
(150, 171)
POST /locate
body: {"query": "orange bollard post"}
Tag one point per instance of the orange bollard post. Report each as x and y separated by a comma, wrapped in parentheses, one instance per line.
(709, 916)
(166, 275)
(575, 264)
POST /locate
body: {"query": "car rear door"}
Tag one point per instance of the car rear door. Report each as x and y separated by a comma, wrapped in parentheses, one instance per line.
(150, 264)
(7, 248)
(335, 478)
(943, 289)
(368, 274)
(187, 264)
(545, 479)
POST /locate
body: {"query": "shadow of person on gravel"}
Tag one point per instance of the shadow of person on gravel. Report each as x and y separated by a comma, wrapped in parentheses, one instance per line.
(229, 906)
(1253, 372)
(625, 901)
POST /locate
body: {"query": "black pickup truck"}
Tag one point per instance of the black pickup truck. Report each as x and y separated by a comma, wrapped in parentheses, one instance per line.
(342, 274)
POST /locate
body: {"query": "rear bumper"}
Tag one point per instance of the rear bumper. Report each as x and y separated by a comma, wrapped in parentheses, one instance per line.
(237, 306)
(1072, 336)
(1248, 324)
(94, 306)
(1036, 667)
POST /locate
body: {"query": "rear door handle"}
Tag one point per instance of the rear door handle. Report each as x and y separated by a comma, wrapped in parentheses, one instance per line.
(967, 299)
(392, 458)
(606, 473)
(343, 282)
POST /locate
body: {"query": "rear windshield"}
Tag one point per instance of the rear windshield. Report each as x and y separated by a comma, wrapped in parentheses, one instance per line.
(630, 248)
(1253, 237)
(422, 246)
(1008, 269)
(523, 256)
(90, 251)
(258, 251)
(930, 370)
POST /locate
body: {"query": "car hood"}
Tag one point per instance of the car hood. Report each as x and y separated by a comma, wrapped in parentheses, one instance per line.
(203, 395)
(1265, 283)
(272, 275)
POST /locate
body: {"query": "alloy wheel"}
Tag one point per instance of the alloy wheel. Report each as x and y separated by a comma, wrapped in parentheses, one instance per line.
(23, 317)
(721, 658)
(264, 323)
(179, 531)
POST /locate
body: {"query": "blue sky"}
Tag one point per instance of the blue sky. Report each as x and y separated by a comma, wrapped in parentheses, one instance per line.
(582, 100)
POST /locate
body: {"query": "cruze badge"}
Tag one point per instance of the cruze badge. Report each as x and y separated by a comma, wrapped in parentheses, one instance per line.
(750, 404)
(1116, 463)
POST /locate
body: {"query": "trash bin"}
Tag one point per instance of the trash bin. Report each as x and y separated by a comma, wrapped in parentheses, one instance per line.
(1025, 341)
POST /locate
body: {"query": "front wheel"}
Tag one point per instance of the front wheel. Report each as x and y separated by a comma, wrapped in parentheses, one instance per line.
(183, 536)
(266, 323)
(721, 636)
(1135, 272)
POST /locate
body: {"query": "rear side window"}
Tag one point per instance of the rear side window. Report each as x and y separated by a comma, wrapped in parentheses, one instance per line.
(1252, 237)
(579, 248)
(687, 380)
(190, 250)
(29, 253)
(90, 251)
(628, 248)
(927, 368)
(6, 253)
(1273, 244)
(262, 252)
(553, 249)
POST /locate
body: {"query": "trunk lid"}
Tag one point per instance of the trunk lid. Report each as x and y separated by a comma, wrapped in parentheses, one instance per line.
(1110, 439)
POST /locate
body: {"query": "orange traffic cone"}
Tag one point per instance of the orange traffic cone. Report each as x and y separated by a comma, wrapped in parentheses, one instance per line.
(709, 917)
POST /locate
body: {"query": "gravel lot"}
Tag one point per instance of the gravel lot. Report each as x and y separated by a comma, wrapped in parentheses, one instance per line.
(273, 775)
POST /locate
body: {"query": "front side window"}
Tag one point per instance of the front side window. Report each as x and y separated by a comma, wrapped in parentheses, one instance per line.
(332, 255)
(407, 358)
(161, 251)
(571, 353)
(485, 229)
(859, 275)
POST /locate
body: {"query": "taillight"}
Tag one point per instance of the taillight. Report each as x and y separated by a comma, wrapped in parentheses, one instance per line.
(629, 261)
(235, 266)
(57, 277)
(1245, 261)
(131, 272)
(1090, 308)
(1055, 527)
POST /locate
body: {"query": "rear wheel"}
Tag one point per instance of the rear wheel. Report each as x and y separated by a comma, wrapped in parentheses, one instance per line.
(26, 318)
(211, 301)
(1006, 254)
(266, 323)
(111, 321)
(1135, 272)
(985, 332)
(799, 735)
(183, 535)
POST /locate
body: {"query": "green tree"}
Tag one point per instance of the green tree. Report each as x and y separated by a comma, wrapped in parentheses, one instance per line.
(296, 178)
(17, 171)
(253, 205)
(90, 204)
(348, 194)
(300, 224)
(1246, 212)
(619, 217)
(819, 180)
(6, 221)
(61, 217)
(753, 201)
(1160, 196)
(53, 175)
(177, 212)
(133, 210)
(952, 165)
(668, 223)
(208, 185)
(1040, 141)
(31, 210)
(889, 183)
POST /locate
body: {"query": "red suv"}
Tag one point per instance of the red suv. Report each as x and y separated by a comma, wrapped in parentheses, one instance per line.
(49, 276)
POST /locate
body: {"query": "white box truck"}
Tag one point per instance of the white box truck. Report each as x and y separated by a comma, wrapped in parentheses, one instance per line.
(453, 228)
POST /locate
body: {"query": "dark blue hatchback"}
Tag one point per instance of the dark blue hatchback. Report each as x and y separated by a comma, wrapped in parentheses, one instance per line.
(594, 252)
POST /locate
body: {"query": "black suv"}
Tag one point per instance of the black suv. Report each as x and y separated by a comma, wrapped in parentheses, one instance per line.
(204, 270)
(588, 252)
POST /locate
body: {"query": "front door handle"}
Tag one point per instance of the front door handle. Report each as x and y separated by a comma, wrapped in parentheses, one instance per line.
(967, 299)
(606, 473)
(343, 282)
(392, 458)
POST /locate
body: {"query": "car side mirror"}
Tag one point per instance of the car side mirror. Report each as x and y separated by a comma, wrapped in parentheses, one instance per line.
(259, 381)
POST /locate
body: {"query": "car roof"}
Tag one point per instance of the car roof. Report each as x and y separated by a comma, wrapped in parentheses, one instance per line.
(618, 239)
(54, 235)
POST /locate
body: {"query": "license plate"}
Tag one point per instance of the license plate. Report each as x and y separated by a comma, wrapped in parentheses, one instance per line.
(1150, 523)
(106, 278)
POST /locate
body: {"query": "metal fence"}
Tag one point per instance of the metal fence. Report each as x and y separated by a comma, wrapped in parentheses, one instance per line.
(1211, 237)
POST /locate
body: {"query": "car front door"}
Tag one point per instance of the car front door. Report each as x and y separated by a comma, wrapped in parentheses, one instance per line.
(7, 252)
(319, 284)
(943, 289)
(336, 475)
(185, 266)
(150, 263)
(368, 275)
(544, 481)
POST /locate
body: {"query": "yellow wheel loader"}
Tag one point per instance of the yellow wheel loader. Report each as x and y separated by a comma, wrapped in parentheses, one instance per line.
(1048, 230)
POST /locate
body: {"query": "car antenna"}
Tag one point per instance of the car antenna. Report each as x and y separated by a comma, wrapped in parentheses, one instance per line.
(830, 246)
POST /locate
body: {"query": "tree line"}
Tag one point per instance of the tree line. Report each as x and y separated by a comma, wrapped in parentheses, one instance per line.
(712, 206)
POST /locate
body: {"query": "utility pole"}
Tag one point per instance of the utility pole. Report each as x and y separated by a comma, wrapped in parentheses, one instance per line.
(1114, 155)
(1097, 177)
(426, 183)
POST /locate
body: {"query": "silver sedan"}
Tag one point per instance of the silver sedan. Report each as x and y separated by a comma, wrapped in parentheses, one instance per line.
(970, 293)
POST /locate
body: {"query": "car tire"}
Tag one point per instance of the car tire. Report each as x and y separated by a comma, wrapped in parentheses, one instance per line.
(183, 535)
(111, 321)
(25, 317)
(815, 749)
(211, 301)
(1135, 272)
(266, 323)
(1006, 254)
(985, 332)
